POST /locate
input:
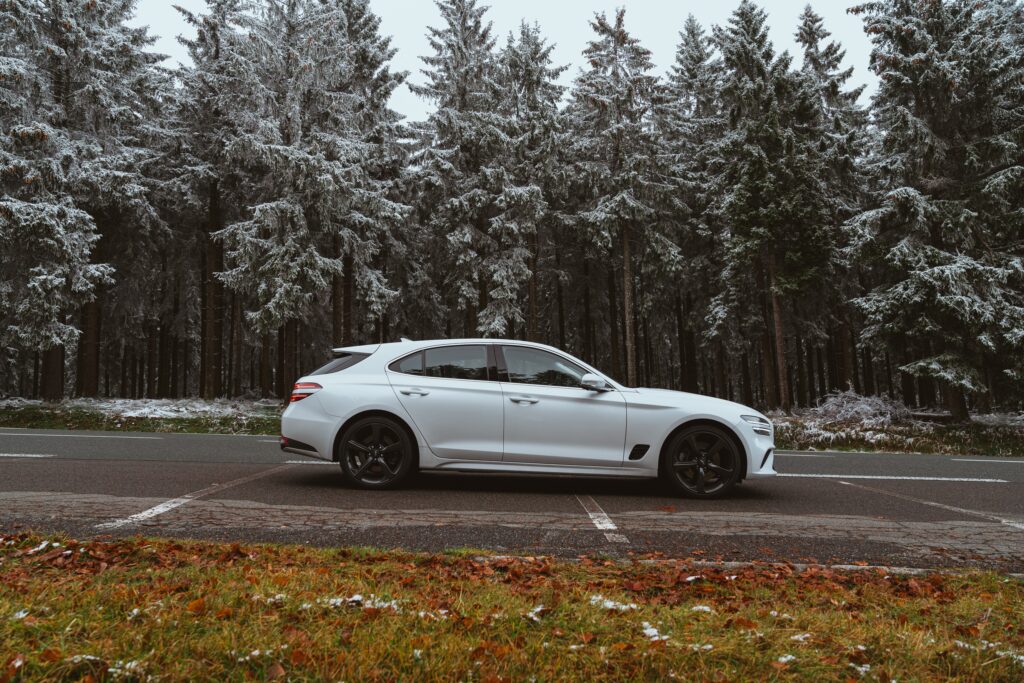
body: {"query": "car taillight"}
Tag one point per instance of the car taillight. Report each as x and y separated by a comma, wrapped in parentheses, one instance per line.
(303, 389)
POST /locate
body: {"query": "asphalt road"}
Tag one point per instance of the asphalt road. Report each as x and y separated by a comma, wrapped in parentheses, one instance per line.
(834, 508)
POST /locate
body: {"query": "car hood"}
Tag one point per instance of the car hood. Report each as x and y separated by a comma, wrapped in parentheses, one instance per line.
(691, 403)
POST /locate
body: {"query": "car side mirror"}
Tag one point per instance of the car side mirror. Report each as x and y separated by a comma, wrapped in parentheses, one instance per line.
(592, 382)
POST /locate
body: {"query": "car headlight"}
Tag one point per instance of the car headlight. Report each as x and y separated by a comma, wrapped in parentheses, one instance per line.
(761, 426)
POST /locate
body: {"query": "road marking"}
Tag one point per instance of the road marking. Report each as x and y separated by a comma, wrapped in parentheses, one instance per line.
(803, 455)
(1015, 462)
(269, 441)
(951, 508)
(309, 462)
(187, 498)
(26, 455)
(601, 519)
(84, 436)
(892, 478)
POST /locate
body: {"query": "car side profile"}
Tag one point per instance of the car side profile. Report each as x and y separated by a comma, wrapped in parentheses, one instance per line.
(384, 411)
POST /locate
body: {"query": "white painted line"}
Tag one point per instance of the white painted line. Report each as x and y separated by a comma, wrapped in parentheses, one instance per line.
(803, 455)
(1013, 462)
(893, 478)
(601, 519)
(26, 455)
(188, 497)
(309, 462)
(269, 441)
(84, 436)
(951, 508)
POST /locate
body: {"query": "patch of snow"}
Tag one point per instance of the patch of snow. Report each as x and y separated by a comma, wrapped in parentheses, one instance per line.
(652, 633)
(160, 407)
(707, 647)
(701, 608)
(605, 603)
(862, 669)
(535, 613)
(786, 659)
(800, 637)
(20, 614)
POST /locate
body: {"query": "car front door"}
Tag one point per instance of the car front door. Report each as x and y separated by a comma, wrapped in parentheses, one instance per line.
(452, 398)
(550, 419)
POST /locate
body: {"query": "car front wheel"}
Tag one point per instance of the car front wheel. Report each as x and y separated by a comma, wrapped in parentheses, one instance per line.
(375, 453)
(702, 461)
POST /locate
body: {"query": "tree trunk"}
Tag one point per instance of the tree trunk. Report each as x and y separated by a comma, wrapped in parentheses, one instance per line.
(163, 388)
(53, 374)
(236, 345)
(627, 309)
(214, 341)
(613, 322)
(780, 339)
(531, 292)
(347, 303)
(338, 299)
(768, 373)
(589, 352)
(956, 402)
(89, 350)
(151, 360)
(266, 373)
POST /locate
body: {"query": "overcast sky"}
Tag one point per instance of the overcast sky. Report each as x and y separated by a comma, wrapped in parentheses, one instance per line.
(656, 23)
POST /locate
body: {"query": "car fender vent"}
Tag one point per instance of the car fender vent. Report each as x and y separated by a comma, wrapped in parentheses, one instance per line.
(639, 451)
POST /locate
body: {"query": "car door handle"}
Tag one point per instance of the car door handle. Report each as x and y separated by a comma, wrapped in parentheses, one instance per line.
(414, 392)
(523, 399)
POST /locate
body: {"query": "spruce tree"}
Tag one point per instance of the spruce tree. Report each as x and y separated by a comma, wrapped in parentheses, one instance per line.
(771, 219)
(942, 239)
(613, 123)
(459, 174)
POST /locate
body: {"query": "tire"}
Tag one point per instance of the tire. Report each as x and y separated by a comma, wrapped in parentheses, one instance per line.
(376, 452)
(702, 461)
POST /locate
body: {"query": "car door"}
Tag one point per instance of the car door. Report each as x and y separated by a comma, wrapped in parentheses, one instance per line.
(550, 419)
(452, 398)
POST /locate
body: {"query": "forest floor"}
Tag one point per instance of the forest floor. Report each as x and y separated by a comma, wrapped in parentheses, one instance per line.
(844, 422)
(140, 609)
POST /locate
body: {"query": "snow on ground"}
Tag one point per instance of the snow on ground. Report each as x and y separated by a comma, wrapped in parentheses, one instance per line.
(160, 407)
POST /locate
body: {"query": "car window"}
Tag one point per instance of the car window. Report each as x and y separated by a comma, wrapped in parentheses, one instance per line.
(410, 365)
(533, 366)
(457, 362)
(340, 362)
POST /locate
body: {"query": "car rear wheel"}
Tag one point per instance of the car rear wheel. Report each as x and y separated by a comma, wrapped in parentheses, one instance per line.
(375, 453)
(702, 461)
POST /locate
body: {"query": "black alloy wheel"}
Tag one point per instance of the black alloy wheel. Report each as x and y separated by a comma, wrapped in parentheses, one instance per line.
(375, 453)
(702, 461)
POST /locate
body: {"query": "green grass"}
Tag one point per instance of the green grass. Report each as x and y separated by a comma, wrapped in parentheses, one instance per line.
(909, 437)
(205, 611)
(58, 417)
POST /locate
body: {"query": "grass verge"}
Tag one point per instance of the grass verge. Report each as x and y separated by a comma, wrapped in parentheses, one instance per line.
(140, 609)
(796, 433)
(59, 417)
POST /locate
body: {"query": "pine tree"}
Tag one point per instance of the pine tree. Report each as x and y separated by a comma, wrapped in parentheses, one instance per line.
(613, 122)
(689, 121)
(83, 91)
(529, 102)
(844, 141)
(942, 241)
(773, 223)
(459, 173)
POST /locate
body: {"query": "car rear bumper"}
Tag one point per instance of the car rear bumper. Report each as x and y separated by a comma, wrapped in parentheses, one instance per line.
(300, 448)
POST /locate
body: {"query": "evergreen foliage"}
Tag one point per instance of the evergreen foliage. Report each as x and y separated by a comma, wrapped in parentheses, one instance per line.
(741, 227)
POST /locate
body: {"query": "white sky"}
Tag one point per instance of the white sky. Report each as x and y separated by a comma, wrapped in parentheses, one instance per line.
(565, 23)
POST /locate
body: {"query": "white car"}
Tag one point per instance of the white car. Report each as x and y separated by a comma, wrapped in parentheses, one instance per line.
(486, 405)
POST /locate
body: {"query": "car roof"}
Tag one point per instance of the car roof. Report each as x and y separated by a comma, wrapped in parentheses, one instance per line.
(412, 345)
